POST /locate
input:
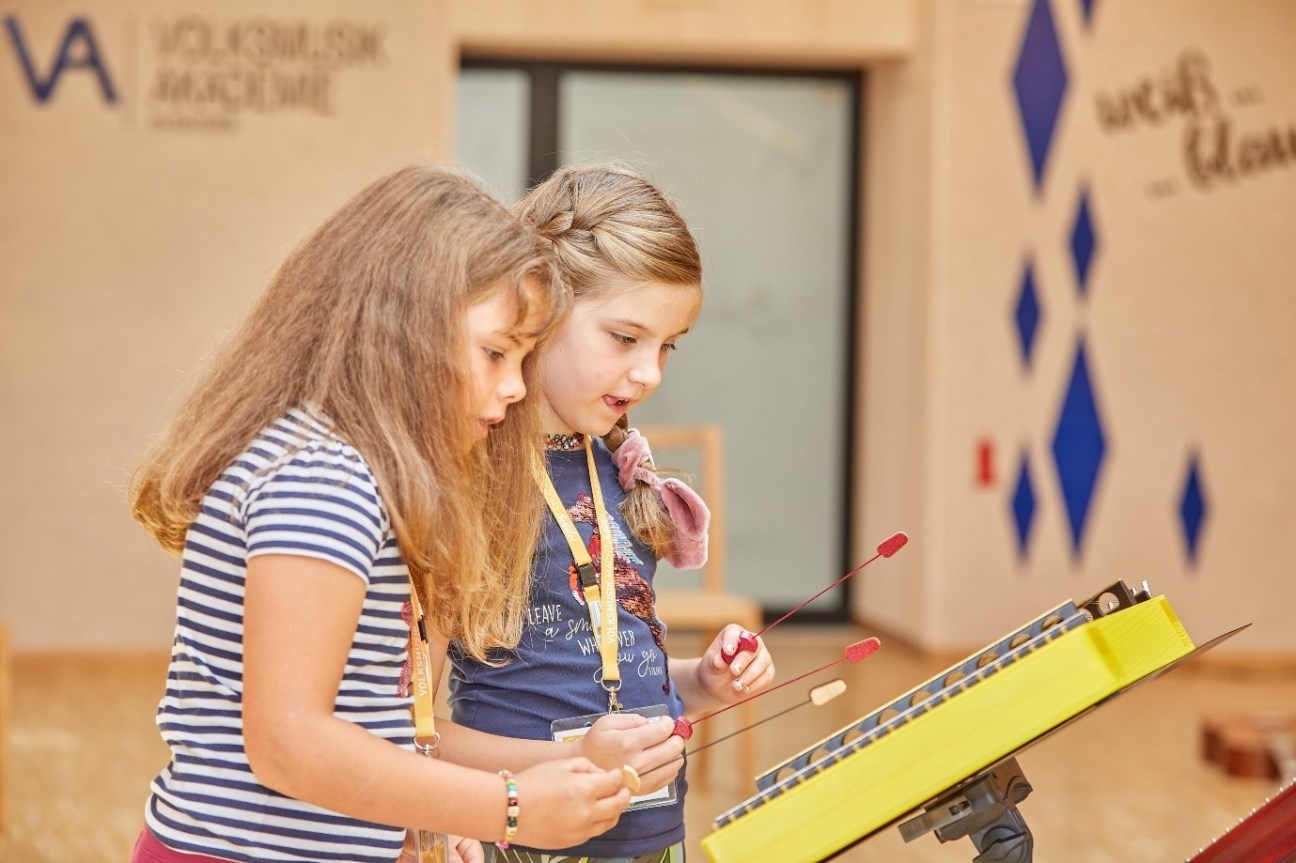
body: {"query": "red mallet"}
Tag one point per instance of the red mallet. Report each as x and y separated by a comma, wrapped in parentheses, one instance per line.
(683, 728)
(862, 649)
(819, 696)
(856, 652)
(747, 640)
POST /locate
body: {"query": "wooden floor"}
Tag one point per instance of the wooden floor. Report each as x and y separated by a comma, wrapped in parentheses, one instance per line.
(1123, 784)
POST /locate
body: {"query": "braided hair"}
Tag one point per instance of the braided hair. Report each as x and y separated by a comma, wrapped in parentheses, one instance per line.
(609, 228)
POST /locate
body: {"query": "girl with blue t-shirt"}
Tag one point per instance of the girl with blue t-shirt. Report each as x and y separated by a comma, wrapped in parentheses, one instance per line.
(354, 468)
(591, 666)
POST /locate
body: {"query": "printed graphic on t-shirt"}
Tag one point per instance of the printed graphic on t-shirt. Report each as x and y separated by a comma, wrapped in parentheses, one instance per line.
(634, 594)
(552, 623)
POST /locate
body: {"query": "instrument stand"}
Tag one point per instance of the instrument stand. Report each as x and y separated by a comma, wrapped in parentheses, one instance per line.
(984, 809)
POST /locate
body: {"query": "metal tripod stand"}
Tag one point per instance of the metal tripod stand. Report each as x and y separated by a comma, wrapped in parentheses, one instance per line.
(985, 810)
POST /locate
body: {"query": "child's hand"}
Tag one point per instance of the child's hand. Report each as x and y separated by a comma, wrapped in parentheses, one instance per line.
(462, 850)
(645, 744)
(409, 853)
(465, 850)
(564, 803)
(747, 674)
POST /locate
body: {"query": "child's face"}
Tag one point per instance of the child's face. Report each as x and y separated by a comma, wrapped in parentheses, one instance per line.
(497, 344)
(609, 354)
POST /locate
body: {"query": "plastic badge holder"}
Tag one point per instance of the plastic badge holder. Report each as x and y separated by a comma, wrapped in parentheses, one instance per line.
(578, 726)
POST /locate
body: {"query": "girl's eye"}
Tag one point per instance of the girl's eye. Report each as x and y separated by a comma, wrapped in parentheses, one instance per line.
(623, 339)
(493, 355)
(669, 346)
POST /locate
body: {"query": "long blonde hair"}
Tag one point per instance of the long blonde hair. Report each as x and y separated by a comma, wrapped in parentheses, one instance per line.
(610, 229)
(366, 320)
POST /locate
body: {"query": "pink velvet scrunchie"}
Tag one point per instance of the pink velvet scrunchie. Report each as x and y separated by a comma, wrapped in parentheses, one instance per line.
(684, 506)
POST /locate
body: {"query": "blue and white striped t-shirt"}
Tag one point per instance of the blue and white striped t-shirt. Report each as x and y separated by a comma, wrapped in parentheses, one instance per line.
(297, 489)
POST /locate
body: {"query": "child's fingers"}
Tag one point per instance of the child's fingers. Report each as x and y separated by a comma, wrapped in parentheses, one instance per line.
(756, 676)
(581, 765)
(605, 812)
(636, 739)
(651, 733)
(728, 642)
(660, 776)
(467, 851)
(657, 764)
(602, 784)
(619, 721)
(614, 740)
(667, 751)
(661, 764)
(751, 663)
(611, 797)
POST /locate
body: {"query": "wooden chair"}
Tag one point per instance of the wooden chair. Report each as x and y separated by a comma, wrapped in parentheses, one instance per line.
(708, 608)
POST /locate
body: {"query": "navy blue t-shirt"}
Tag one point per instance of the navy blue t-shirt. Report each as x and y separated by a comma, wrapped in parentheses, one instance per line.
(555, 671)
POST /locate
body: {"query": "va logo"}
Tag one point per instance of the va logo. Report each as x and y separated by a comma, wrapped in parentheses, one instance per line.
(78, 51)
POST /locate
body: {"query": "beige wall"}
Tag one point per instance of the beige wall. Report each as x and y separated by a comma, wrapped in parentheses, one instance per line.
(1186, 321)
(136, 232)
(805, 33)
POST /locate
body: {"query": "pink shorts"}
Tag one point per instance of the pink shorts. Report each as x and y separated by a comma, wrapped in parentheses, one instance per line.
(149, 850)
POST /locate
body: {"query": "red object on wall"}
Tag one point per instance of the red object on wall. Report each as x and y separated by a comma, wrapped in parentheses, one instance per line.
(985, 473)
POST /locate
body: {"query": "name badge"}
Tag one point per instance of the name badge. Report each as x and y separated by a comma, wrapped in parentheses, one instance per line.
(565, 730)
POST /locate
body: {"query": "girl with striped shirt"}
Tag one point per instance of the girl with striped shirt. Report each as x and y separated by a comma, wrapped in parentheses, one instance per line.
(358, 449)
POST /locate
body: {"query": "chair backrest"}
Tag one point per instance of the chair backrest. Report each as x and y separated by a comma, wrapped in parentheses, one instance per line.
(710, 608)
(707, 441)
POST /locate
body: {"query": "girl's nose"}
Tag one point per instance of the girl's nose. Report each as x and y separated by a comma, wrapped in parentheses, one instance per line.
(646, 372)
(512, 388)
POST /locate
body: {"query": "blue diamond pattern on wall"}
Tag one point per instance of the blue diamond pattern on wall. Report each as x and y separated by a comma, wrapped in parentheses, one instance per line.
(1039, 83)
(1084, 242)
(1027, 313)
(1192, 508)
(1023, 504)
(1078, 447)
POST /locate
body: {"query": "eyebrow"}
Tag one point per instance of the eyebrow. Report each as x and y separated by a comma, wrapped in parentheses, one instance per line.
(635, 325)
(516, 336)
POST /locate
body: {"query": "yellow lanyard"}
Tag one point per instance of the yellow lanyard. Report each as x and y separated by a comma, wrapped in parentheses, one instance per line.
(425, 733)
(600, 598)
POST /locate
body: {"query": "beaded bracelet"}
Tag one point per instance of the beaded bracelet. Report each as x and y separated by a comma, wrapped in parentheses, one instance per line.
(510, 826)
